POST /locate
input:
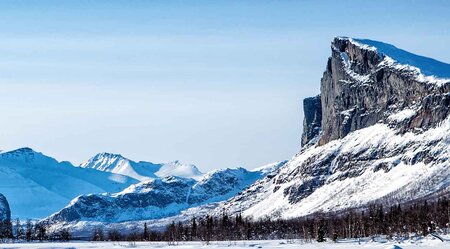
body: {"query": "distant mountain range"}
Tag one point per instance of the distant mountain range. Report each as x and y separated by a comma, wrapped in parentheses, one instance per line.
(37, 185)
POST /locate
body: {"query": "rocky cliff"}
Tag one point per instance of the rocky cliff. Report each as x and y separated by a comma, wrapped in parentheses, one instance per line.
(5, 212)
(312, 123)
(384, 136)
(362, 86)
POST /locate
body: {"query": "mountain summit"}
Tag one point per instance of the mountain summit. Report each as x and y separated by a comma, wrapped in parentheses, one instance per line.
(378, 132)
(141, 171)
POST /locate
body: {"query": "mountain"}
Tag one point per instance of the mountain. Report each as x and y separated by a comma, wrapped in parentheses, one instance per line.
(141, 171)
(157, 198)
(5, 212)
(379, 132)
(37, 185)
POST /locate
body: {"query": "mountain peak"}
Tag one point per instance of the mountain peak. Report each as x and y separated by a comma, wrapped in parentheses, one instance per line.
(23, 150)
(176, 168)
(423, 68)
(27, 155)
(109, 155)
(105, 161)
(141, 170)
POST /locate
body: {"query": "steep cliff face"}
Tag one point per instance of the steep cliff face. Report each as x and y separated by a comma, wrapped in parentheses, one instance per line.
(312, 123)
(362, 85)
(5, 212)
(384, 136)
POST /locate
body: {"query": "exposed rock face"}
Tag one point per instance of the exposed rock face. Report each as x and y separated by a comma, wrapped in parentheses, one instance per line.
(5, 212)
(359, 88)
(312, 108)
(385, 136)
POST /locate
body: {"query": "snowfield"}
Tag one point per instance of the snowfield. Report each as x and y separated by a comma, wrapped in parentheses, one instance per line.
(142, 171)
(268, 244)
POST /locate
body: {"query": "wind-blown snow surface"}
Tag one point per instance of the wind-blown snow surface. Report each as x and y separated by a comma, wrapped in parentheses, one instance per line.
(36, 185)
(427, 243)
(141, 171)
(425, 69)
(427, 66)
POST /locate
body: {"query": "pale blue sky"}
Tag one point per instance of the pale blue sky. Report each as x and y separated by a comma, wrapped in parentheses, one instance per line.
(214, 83)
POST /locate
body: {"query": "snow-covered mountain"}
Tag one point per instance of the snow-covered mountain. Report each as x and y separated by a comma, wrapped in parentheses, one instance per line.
(37, 185)
(378, 132)
(141, 171)
(158, 198)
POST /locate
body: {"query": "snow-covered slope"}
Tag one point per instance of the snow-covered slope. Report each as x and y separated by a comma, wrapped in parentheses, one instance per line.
(380, 132)
(141, 171)
(157, 198)
(176, 168)
(37, 185)
(404, 59)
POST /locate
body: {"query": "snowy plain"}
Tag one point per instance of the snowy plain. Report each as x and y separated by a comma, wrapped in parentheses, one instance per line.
(427, 243)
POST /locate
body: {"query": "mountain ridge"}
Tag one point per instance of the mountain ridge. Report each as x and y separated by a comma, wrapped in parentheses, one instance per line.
(141, 170)
(157, 198)
(378, 130)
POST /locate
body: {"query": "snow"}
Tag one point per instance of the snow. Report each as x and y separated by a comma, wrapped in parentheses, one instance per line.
(141, 171)
(415, 71)
(36, 185)
(402, 115)
(427, 66)
(350, 72)
(183, 199)
(426, 243)
(424, 69)
(405, 177)
(271, 167)
(84, 229)
(179, 169)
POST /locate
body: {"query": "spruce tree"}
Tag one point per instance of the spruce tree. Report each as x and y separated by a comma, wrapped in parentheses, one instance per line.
(320, 233)
(29, 230)
(146, 234)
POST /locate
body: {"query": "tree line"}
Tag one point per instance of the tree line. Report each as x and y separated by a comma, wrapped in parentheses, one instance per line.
(418, 219)
(30, 231)
(396, 221)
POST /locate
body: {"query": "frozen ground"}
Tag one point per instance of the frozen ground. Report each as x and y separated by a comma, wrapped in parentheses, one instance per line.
(269, 244)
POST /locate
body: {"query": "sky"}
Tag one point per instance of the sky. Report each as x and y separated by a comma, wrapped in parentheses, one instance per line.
(213, 83)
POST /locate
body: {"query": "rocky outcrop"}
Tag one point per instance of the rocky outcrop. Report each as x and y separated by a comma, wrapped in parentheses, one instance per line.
(312, 108)
(361, 87)
(384, 136)
(5, 212)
